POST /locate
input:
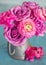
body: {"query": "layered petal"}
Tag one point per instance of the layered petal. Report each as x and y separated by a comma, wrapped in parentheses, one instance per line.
(13, 36)
(27, 28)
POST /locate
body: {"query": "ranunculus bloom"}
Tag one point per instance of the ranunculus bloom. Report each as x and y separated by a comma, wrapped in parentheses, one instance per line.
(27, 28)
(20, 12)
(40, 13)
(40, 27)
(13, 36)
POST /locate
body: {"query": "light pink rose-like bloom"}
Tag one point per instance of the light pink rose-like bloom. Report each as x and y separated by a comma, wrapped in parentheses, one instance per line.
(27, 28)
(40, 13)
(40, 27)
(13, 36)
(20, 12)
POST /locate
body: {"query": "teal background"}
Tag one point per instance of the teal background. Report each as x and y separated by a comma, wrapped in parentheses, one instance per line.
(5, 59)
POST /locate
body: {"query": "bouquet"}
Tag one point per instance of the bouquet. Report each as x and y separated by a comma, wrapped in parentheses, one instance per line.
(22, 22)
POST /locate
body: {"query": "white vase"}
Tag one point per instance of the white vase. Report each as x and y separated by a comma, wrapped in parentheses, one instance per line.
(18, 52)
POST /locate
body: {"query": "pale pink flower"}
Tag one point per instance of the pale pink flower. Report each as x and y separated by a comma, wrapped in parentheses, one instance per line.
(27, 28)
(40, 27)
(20, 12)
(13, 36)
(40, 13)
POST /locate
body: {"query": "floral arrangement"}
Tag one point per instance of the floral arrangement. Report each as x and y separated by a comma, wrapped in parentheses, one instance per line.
(24, 21)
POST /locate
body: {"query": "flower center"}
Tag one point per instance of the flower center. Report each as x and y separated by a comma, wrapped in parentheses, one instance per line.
(28, 27)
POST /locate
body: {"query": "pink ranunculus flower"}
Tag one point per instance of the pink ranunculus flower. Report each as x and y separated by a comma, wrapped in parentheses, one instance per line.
(20, 12)
(13, 36)
(40, 13)
(27, 28)
(40, 27)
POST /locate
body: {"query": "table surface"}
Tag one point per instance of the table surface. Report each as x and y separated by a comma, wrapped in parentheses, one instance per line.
(5, 59)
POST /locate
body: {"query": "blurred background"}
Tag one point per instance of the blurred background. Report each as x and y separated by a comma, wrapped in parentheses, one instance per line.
(5, 59)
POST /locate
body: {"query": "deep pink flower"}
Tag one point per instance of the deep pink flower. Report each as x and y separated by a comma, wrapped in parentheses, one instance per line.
(13, 36)
(33, 52)
(30, 53)
(7, 19)
(27, 28)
